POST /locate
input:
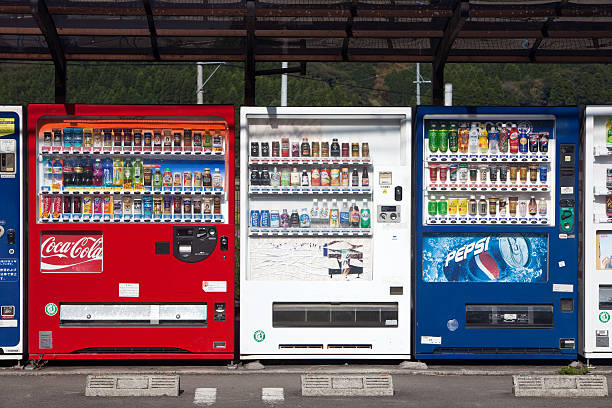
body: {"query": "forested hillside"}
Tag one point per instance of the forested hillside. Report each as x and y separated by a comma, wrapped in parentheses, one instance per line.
(325, 84)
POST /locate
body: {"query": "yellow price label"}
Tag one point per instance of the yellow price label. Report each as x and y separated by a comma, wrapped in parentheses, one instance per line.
(7, 126)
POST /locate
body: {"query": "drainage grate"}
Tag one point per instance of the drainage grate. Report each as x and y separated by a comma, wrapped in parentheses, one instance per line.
(560, 386)
(317, 385)
(132, 385)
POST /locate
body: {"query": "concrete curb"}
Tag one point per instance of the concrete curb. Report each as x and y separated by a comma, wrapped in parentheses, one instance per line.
(270, 370)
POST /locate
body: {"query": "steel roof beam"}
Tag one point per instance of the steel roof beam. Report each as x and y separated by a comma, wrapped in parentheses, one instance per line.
(45, 22)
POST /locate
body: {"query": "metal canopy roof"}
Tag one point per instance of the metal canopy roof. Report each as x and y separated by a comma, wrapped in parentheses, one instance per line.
(434, 31)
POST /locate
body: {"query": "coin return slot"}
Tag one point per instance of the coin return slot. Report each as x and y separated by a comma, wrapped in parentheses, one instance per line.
(185, 249)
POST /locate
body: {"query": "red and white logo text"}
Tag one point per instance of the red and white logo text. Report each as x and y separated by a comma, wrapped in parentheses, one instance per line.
(73, 253)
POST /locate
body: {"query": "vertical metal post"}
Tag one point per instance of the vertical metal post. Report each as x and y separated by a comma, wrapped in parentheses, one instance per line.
(200, 92)
(249, 64)
(284, 65)
(418, 83)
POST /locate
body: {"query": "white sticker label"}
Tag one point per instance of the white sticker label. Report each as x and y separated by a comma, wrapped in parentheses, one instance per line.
(567, 190)
(214, 286)
(129, 289)
(561, 264)
(390, 322)
(431, 340)
(8, 323)
(558, 287)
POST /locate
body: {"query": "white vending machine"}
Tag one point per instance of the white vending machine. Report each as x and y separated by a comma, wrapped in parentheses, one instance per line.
(596, 277)
(325, 233)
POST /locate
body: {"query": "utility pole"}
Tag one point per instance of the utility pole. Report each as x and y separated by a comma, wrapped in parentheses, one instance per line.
(201, 85)
(284, 65)
(418, 82)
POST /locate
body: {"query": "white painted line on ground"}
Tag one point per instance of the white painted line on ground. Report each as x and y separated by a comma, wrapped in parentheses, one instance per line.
(205, 396)
(272, 394)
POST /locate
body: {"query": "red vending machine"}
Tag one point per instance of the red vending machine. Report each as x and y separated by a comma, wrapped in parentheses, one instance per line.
(131, 231)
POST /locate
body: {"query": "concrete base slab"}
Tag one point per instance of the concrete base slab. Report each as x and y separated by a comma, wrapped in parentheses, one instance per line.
(413, 365)
(560, 386)
(132, 385)
(318, 385)
(254, 365)
(272, 394)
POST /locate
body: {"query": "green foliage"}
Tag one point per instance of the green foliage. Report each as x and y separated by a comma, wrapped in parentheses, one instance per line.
(567, 370)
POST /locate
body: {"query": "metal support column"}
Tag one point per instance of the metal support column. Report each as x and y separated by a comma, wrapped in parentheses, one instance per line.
(249, 64)
(454, 25)
(41, 15)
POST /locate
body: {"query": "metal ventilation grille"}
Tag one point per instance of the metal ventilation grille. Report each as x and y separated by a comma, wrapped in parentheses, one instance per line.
(300, 346)
(589, 383)
(347, 385)
(132, 385)
(102, 382)
(530, 383)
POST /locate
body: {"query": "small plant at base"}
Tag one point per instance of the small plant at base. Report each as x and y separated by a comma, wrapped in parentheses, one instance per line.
(567, 370)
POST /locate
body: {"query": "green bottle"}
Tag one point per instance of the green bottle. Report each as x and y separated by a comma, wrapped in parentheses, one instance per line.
(432, 206)
(365, 215)
(157, 178)
(432, 135)
(609, 136)
(453, 138)
(442, 206)
(443, 138)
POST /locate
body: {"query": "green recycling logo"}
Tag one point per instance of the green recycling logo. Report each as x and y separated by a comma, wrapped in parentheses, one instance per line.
(51, 309)
(259, 336)
(604, 317)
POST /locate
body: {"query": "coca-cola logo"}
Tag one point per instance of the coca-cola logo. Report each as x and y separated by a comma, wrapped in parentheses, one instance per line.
(76, 253)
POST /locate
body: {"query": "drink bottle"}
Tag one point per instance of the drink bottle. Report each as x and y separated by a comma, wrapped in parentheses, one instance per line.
(502, 139)
(513, 139)
(335, 148)
(314, 213)
(275, 177)
(294, 219)
(285, 177)
(305, 148)
(533, 206)
(68, 173)
(304, 218)
(324, 214)
(87, 172)
(345, 214)
(355, 215)
(464, 138)
(542, 208)
(334, 214)
(523, 140)
(365, 214)
(77, 179)
(107, 172)
(442, 206)
(483, 140)
(57, 175)
(453, 138)
(284, 219)
(355, 178)
(472, 206)
(443, 138)
(534, 142)
(482, 206)
(117, 172)
(265, 177)
(98, 173)
(432, 206)
(157, 179)
(305, 178)
(493, 140)
(432, 135)
(365, 179)
(473, 139)
(138, 175)
(544, 142)
(295, 177)
(128, 175)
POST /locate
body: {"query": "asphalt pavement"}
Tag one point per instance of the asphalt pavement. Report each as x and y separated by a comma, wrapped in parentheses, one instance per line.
(67, 391)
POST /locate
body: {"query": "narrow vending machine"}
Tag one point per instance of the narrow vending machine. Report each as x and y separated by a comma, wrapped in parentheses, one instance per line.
(496, 262)
(596, 276)
(325, 233)
(131, 221)
(12, 231)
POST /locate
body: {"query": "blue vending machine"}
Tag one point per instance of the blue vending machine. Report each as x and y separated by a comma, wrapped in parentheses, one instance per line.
(496, 261)
(11, 233)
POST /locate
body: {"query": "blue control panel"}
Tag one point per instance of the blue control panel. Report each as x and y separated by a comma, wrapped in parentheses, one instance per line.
(11, 230)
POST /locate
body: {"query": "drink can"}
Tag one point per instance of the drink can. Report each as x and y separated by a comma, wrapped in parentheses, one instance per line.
(167, 206)
(314, 149)
(197, 207)
(486, 259)
(315, 177)
(462, 205)
(147, 206)
(148, 140)
(473, 173)
(107, 205)
(127, 139)
(502, 204)
(512, 204)
(276, 149)
(187, 139)
(265, 149)
(187, 207)
(523, 173)
(158, 207)
(197, 179)
(533, 173)
(295, 149)
(137, 139)
(48, 139)
(57, 207)
(452, 172)
(544, 173)
(324, 149)
(503, 173)
(285, 147)
(523, 209)
(493, 169)
(187, 179)
(354, 149)
(137, 208)
(87, 205)
(117, 207)
(274, 219)
(513, 173)
(452, 206)
(97, 205)
(492, 206)
(197, 140)
(147, 177)
(335, 177)
(265, 218)
(207, 206)
(117, 138)
(523, 141)
(325, 177)
(67, 204)
(127, 205)
(483, 169)
(433, 172)
(462, 173)
(345, 176)
(77, 137)
(254, 218)
(107, 138)
(365, 149)
(177, 181)
(345, 149)
(534, 141)
(443, 173)
(67, 137)
(177, 206)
